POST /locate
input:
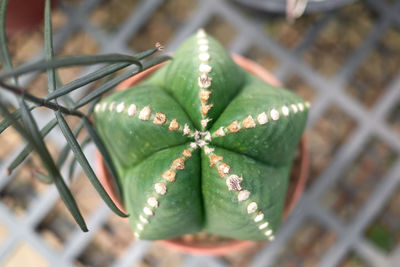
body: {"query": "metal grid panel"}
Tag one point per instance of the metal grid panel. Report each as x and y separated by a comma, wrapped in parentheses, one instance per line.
(371, 122)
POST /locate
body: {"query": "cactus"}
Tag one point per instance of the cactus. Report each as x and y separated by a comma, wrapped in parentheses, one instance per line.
(203, 145)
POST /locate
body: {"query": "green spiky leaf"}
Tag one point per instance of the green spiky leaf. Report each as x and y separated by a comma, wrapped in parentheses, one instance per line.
(80, 157)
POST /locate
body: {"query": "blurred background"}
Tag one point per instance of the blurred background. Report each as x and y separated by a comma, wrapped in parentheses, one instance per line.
(343, 57)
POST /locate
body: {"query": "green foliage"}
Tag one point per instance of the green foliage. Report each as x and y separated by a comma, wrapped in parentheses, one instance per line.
(62, 104)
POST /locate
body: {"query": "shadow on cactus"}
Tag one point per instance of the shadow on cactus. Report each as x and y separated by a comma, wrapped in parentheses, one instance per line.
(202, 145)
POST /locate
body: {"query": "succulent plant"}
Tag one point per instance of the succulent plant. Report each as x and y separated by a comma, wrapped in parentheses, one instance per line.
(202, 145)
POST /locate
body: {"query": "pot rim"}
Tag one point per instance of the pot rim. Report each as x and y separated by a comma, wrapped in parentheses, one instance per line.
(234, 245)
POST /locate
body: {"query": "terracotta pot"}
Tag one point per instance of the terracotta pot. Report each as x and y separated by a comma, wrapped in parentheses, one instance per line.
(24, 15)
(297, 183)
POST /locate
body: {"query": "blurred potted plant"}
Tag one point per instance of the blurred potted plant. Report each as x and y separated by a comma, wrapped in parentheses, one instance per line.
(24, 15)
(202, 144)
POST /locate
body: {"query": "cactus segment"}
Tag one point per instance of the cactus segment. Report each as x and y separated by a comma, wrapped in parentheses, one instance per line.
(174, 210)
(144, 118)
(235, 211)
(263, 122)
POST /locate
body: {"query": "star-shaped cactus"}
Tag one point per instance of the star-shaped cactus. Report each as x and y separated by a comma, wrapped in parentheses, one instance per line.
(203, 145)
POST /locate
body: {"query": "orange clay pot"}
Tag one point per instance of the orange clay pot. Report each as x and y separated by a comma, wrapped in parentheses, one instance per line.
(297, 183)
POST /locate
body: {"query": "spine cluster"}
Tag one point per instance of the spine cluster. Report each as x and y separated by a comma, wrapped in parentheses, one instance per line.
(204, 80)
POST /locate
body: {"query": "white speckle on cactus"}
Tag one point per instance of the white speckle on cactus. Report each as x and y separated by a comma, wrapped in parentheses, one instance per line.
(145, 113)
(204, 81)
(205, 122)
(301, 106)
(233, 182)
(248, 122)
(169, 175)
(204, 56)
(160, 188)
(186, 153)
(294, 108)
(285, 111)
(262, 118)
(186, 129)
(139, 226)
(148, 211)
(143, 219)
(220, 132)
(234, 127)
(204, 68)
(178, 164)
(104, 107)
(97, 108)
(203, 48)
(120, 107)
(132, 110)
(259, 217)
(174, 125)
(271, 238)
(159, 118)
(252, 207)
(111, 107)
(205, 108)
(274, 114)
(201, 143)
(208, 150)
(204, 95)
(308, 105)
(137, 235)
(268, 232)
(202, 41)
(201, 33)
(153, 202)
(243, 195)
(196, 135)
(223, 169)
(262, 226)
(193, 145)
(207, 136)
(214, 159)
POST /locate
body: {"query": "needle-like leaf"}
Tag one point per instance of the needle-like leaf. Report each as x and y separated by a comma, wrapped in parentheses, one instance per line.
(65, 151)
(4, 53)
(112, 83)
(13, 117)
(40, 147)
(91, 77)
(80, 157)
(96, 75)
(48, 47)
(106, 156)
(67, 61)
(28, 148)
(72, 166)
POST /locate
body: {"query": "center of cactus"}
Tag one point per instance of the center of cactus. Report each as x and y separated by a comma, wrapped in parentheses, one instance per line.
(203, 145)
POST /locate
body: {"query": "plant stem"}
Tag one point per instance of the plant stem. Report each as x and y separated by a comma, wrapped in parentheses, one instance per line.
(40, 101)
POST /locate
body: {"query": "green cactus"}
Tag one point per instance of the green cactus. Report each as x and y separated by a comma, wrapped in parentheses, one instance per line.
(203, 145)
